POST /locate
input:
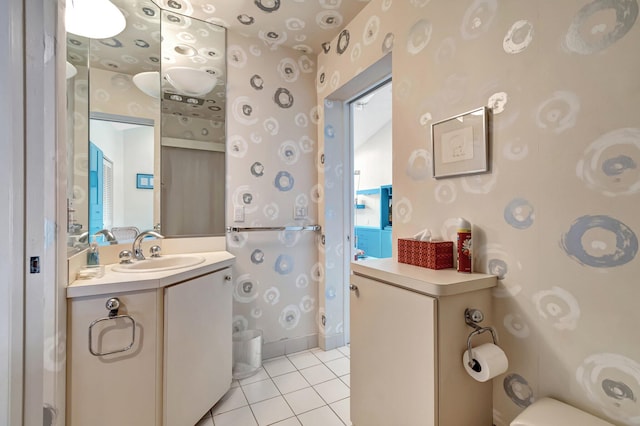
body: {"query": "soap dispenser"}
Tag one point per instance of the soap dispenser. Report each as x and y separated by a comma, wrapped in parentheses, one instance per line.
(93, 255)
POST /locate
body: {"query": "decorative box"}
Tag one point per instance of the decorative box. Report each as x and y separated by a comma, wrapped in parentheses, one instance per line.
(427, 254)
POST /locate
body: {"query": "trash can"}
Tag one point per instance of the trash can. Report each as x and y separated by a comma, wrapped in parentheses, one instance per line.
(247, 353)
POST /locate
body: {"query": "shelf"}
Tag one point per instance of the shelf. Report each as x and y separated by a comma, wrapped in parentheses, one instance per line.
(368, 191)
(382, 206)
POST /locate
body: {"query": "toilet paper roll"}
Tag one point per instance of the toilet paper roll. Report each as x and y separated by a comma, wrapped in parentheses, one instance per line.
(489, 361)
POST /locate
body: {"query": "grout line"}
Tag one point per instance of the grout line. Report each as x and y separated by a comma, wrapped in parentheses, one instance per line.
(270, 377)
(248, 404)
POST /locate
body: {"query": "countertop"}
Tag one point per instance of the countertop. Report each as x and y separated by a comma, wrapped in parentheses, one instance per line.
(441, 282)
(118, 282)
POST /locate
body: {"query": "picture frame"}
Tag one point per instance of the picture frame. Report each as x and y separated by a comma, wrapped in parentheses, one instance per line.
(459, 144)
(144, 181)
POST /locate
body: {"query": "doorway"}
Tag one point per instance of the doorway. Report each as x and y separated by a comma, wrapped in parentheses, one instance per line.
(339, 202)
(371, 133)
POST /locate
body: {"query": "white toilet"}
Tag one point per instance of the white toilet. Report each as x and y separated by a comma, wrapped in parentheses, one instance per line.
(551, 412)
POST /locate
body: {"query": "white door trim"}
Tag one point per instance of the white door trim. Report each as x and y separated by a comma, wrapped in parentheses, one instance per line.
(12, 214)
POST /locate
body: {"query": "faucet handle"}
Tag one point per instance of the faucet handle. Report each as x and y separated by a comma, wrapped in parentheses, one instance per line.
(125, 257)
(155, 251)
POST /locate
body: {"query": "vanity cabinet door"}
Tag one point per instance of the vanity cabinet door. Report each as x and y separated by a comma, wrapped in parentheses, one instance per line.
(393, 355)
(119, 388)
(197, 346)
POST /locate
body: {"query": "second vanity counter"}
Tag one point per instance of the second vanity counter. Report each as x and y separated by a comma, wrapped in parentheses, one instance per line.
(118, 282)
(436, 283)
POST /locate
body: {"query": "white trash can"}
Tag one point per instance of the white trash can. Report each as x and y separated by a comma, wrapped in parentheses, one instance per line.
(247, 353)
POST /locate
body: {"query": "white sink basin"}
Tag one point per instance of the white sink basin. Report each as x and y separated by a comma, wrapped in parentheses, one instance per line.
(163, 263)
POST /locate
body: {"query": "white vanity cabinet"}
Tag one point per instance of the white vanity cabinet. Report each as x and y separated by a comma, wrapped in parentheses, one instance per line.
(408, 335)
(178, 367)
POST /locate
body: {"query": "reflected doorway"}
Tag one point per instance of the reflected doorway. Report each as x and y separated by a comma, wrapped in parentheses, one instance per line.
(121, 165)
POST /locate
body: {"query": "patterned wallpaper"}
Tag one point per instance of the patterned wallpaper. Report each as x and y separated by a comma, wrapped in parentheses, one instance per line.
(303, 25)
(557, 218)
(271, 163)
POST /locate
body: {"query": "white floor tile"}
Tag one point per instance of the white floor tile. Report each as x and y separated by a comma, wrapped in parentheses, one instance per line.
(346, 350)
(271, 411)
(235, 383)
(317, 374)
(340, 366)
(279, 366)
(260, 375)
(293, 421)
(325, 356)
(259, 391)
(323, 416)
(207, 420)
(304, 360)
(343, 409)
(304, 400)
(333, 390)
(346, 379)
(290, 382)
(233, 399)
(239, 417)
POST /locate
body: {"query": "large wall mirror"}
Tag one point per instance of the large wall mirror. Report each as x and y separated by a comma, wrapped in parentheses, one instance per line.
(146, 128)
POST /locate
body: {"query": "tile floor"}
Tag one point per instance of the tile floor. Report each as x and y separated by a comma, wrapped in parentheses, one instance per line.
(309, 388)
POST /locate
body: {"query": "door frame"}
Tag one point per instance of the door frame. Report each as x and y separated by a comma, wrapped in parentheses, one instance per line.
(373, 76)
(12, 224)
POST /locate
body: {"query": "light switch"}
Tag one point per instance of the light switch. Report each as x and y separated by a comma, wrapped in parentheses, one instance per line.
(238, 214)
(299, 212)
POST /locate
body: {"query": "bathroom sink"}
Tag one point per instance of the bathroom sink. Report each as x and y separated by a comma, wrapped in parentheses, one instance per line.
(163, 263)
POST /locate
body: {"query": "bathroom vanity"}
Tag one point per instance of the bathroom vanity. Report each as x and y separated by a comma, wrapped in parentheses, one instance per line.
(408, 335)
(163, 357)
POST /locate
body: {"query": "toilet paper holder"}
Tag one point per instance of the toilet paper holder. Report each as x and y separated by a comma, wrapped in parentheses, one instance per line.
(472, 317)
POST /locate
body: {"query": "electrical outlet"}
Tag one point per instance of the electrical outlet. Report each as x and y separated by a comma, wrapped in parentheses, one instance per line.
(238, 214)
(299, 212)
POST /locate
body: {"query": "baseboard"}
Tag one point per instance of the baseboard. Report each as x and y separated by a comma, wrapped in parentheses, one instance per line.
(288, 346)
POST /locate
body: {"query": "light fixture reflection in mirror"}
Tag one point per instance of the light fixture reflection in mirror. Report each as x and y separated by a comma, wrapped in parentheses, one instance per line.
(191, 81)
(97, 19)
(148, 82)
(71, 71)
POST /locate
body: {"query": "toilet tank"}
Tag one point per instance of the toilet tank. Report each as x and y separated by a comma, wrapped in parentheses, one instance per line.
(551, 412)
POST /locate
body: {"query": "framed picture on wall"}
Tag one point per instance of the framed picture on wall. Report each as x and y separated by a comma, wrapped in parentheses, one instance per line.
(144, 181)
(460, 144)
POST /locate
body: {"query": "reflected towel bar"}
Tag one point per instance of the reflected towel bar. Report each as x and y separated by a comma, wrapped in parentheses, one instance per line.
(274, 228)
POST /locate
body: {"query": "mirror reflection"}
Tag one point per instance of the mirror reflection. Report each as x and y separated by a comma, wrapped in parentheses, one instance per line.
(193, 127)
(120, 175)
(166, 73)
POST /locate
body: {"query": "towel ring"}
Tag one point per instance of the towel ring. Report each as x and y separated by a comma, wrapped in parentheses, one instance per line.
(112, 305)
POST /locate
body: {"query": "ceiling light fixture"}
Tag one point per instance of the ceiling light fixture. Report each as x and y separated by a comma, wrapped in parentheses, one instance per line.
(185, 49)
(191, 82)
(148, 82)
(94, 18)
(71, 71)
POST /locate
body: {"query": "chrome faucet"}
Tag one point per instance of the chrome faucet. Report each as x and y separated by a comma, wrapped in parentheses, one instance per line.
(108, 236)
(137, 249)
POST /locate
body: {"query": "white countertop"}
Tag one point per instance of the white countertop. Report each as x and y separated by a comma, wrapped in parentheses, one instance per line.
(441, 282)
(118, 282)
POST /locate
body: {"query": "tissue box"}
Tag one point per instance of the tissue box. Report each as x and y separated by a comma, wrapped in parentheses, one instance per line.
(427, 254)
